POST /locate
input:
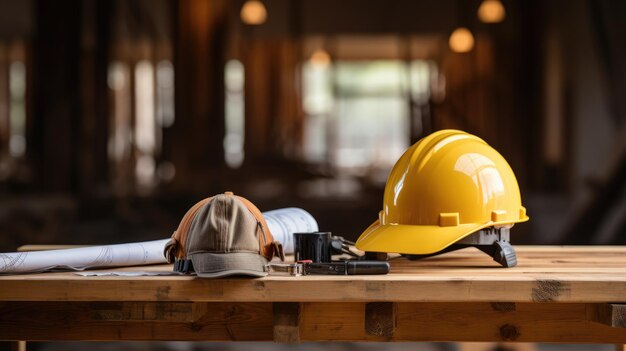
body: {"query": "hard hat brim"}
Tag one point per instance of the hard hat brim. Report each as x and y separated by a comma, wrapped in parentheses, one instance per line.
(415, 239)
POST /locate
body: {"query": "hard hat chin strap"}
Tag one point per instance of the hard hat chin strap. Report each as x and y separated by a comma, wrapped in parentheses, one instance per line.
(492, 241)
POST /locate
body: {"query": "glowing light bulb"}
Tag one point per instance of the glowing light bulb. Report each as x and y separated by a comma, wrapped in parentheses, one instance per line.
(320, 58)
(491, 11)
(461, 40)
(253, 12)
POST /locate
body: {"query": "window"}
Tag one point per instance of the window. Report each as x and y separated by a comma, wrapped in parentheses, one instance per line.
(137, 134)
(358, 112)
(141, 95)
(235, 114)
(13, 87)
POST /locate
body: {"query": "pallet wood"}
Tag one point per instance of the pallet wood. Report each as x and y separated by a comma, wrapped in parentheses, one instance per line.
(571, 294)
(528, 322)
(611, 314)
(36, 247)
(380, 319)
(544, 274)
(286, 316)
(314, 321)
(127, 321)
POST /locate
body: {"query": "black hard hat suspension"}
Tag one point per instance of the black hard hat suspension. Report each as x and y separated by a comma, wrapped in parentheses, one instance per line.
(493, 241)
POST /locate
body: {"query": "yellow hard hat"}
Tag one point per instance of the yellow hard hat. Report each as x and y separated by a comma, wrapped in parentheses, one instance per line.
(445, 187)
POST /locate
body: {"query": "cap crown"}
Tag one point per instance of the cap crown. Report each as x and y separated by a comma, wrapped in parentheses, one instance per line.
(223, 225)
(220, 224)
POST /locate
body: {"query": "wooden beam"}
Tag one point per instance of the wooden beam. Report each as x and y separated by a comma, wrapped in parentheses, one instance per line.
(136, 321)
(18, 346)
(613, 315)
(53, 138)
(286, 317)
(312, 290)
(295, 322)
(93, 136)
(380, 319)
(195, 141)
(520, 322)
(36, 247)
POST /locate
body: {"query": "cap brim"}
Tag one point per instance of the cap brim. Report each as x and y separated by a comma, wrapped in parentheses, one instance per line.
(214, 265)
(413, 239)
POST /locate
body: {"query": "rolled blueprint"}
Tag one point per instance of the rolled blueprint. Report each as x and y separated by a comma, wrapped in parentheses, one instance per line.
(78, 259)
(286, 221)
(282, 223)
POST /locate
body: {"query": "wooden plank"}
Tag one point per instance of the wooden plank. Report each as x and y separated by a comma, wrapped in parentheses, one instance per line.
(286, 322)
(544, 275)
(124, 321)
(527, 322)
(613, 315)
(404, 288)
(199, 86)
(35, 247)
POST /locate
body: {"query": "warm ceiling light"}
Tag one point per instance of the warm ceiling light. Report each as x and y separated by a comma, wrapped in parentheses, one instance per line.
(320, 58)
(253, 12)
(461, 40)
(491, 11)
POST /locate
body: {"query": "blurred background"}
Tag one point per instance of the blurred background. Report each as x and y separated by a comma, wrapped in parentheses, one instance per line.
(116, 116)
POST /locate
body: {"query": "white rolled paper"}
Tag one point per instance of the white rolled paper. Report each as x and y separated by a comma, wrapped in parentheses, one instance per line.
(286, 221)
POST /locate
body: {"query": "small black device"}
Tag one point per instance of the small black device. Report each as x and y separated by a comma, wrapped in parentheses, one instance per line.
(313, 255)
(314, 247)
(347, 267)
(318, 247)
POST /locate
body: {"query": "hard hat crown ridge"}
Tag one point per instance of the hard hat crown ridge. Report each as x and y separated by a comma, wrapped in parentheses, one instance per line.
(445, 187)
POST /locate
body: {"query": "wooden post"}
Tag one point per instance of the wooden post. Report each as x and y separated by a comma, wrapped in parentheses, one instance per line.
(18, 346)
(92, 155)
(286, 316)
(380, 319)
(56, 118)
(613, 315)
(195, 141)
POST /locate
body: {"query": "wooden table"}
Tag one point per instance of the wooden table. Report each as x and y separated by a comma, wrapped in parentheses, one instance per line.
(555, 294)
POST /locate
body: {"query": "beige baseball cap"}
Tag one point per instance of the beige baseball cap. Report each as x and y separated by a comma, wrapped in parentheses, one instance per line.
(223, 235)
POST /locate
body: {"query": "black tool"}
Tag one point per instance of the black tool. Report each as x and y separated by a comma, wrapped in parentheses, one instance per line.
(347, 268)
(313, 246)
(330, 268)
(320, 246)
(313, 254)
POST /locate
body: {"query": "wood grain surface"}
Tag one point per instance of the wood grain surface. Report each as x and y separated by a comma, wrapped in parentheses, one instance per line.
(311, 321)
(544, 274)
